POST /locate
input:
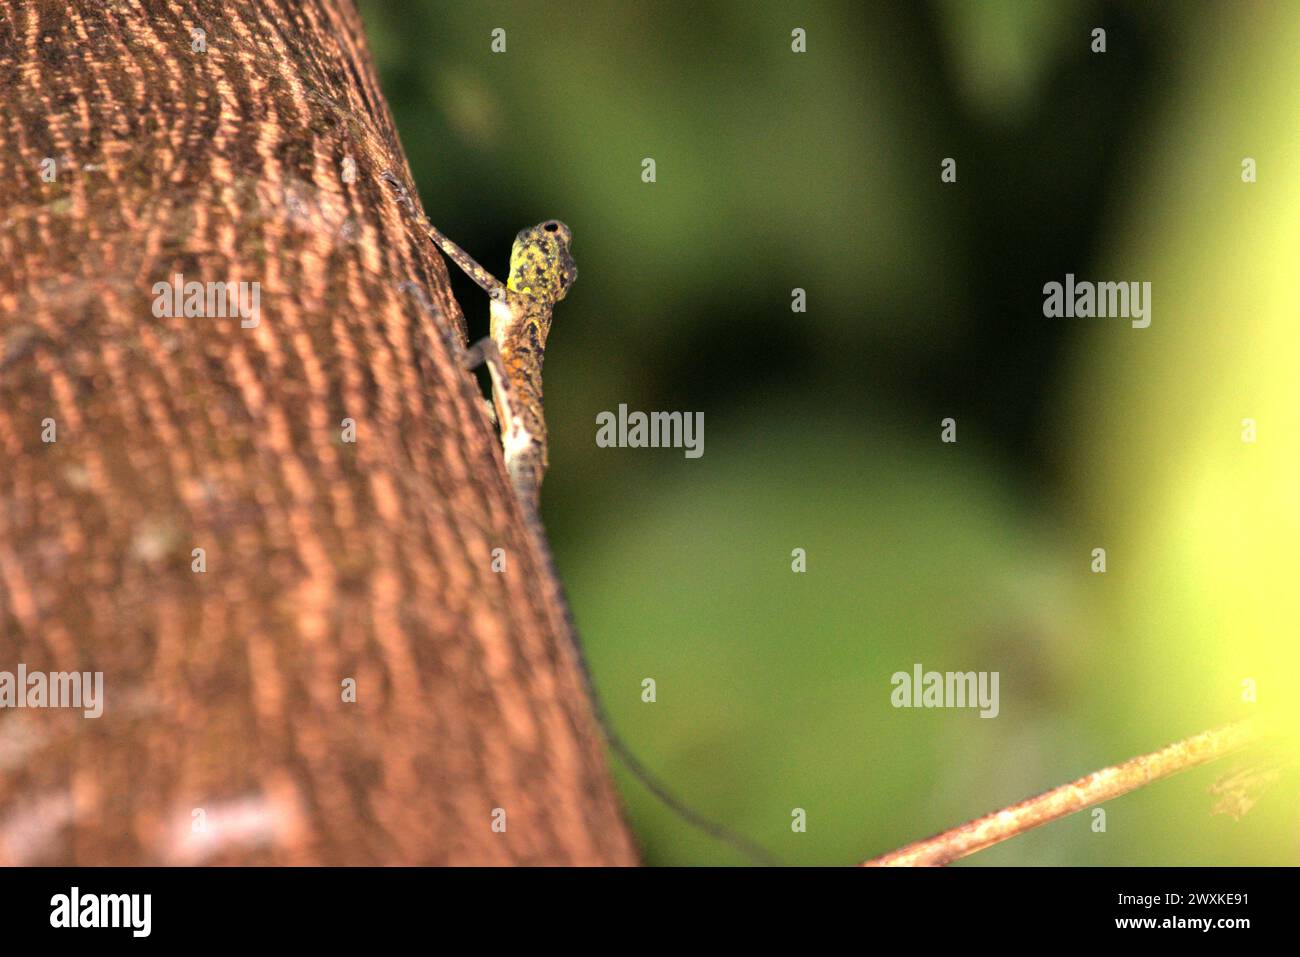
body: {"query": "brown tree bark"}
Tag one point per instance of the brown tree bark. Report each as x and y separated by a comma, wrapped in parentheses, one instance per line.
(225, 736)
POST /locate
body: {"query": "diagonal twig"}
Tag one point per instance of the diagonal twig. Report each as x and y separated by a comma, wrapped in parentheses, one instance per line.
(976, 835)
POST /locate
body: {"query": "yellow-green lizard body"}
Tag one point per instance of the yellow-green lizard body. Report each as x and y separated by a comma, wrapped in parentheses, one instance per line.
(541, 273)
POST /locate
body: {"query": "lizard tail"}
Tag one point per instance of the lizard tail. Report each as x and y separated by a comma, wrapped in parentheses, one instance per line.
(720, 832)
(648, 779)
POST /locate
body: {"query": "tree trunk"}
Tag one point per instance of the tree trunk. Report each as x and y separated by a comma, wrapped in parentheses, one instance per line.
(133, 150)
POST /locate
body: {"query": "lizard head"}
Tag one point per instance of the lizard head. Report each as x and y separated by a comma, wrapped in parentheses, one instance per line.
(540, 263)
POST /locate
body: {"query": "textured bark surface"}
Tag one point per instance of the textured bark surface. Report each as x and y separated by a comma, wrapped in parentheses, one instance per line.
(326, 560)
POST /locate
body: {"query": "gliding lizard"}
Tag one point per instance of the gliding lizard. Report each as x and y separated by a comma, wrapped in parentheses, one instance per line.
(541, 273)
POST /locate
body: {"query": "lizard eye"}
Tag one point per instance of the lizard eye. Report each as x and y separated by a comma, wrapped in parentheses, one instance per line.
(551, 227)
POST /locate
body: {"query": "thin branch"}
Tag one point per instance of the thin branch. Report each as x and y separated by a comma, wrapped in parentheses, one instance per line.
(1059, 802)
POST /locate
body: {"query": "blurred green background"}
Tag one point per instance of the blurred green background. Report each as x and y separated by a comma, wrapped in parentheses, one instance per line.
(820, 170)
